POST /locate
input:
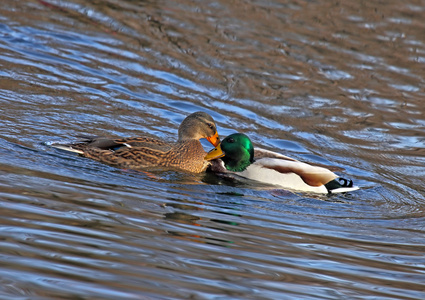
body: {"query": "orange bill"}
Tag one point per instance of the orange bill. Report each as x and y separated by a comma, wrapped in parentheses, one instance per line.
(214, 153)
(215, 140)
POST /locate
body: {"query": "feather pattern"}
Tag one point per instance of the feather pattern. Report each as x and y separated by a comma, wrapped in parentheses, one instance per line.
(147, 152)
(237, 155)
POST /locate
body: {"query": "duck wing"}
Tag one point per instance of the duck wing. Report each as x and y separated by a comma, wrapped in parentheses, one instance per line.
(143, 141)
(263, 153)
(131, 158)
(311, 175)
(103, 143)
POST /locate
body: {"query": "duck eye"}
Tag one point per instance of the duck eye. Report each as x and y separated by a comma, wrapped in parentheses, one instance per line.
(230, 140)
(211, 126)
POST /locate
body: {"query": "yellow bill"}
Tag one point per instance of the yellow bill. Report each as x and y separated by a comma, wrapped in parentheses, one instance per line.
(214, 153)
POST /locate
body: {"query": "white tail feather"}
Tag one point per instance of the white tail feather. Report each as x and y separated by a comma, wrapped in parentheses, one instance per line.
(344, 189)
(67, 148)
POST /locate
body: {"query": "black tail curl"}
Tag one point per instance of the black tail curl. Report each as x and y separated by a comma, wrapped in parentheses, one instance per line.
(345, 182)
(339, 183)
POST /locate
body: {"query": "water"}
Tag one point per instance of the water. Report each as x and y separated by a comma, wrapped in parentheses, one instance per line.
(340, 83)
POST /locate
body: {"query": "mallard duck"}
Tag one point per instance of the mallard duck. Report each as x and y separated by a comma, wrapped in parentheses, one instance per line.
(146, 152)
(237, 156)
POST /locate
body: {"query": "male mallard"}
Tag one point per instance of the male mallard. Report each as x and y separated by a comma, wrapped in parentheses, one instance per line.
(237, 155)
(145, 152)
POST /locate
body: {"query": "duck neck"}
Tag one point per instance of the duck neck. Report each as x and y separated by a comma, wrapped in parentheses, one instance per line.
(236, 165)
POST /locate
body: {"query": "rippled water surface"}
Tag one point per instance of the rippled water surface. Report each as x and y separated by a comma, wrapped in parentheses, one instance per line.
(333, 82)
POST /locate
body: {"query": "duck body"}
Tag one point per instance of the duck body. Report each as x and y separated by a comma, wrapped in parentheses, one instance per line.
(237, 157)
(146, 152)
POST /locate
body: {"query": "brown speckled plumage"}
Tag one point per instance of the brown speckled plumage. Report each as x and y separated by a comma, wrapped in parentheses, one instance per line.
(145, 152)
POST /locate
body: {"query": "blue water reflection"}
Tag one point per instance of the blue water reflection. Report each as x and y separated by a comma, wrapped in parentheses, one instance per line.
(330, 83)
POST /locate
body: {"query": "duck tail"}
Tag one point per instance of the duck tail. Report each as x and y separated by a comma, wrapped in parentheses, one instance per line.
(67, 148)
(340, 185)
(75, 146)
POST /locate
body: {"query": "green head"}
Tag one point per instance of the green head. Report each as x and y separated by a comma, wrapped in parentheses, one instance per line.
(238, 152)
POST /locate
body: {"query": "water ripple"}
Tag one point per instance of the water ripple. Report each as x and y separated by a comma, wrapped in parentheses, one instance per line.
(332, 83)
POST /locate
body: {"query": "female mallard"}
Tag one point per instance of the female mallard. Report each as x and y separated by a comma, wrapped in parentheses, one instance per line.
(145, 152)
(237, 155)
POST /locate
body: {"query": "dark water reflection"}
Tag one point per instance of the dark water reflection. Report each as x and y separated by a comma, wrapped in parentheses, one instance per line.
(334, 82)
